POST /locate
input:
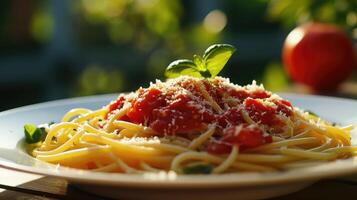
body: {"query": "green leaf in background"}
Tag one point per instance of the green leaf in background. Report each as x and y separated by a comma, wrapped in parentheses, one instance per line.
(217, 56)
(182, 67)
(33, 134)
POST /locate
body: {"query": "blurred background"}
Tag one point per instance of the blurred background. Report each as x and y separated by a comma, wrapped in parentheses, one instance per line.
(52, 49)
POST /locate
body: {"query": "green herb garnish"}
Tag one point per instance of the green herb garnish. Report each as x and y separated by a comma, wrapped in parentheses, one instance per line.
(33, 134)
(198, 169)
(311, 113)
(207, 66)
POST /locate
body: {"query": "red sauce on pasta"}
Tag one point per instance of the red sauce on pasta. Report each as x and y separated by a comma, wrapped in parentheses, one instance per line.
(182, 108)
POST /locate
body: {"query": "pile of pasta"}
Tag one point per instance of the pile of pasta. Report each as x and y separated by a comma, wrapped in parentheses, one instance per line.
(106, 140)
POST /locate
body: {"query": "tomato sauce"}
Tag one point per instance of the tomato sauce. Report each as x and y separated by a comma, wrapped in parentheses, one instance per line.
(117, 104)
(244, 136)
(182, 109)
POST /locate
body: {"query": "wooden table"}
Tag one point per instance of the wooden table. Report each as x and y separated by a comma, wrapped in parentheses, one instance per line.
(18, 185)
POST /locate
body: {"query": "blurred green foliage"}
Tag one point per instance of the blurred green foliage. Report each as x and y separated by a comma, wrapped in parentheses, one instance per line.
(147, 24)
(293, 12)
(96, 79)
(117, 45)
(42, 24)
(152, 27)
(274, 78)
(142, 21)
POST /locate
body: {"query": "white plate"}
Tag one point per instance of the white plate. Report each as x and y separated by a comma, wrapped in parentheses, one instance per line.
(163, 186)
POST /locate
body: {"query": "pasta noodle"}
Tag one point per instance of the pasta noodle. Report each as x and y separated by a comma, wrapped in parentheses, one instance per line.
(193, 125)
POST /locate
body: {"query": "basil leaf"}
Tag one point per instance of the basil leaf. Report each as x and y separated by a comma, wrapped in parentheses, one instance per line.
(198, 169)
(208, 66)
(182, 67)
(33, 134)
(199, 62)
(216, 56)
(206, 74)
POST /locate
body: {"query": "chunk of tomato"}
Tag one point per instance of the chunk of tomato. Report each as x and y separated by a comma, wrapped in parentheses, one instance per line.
(245, 137)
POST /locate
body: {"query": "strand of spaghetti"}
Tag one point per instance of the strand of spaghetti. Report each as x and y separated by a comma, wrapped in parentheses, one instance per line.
(55, 129)
(244, 166)
(324, 132)
(68, 144)
(177, 140)
(322, 137)
(340, 132)
(162, 162)
(128, 125)
(74, 112)
(300, 164)
(94, 122)
(45, 147)
(127, 150)
(175, 164)
(154, 143)
(323, 146)
(348, 128)
(120, 113)
(126, 168)
(262, 158)
(344, 149)
(308, 154)
(228, 162)
(246, 117)
(91, 129)
(288, 142)
(202, 138)
(148, 168)
(192, 155)
(82, 144)
(107, 168)
(302, 134)
(63, 136)
(209, 98)
(71, 154)
(128, 133)
(289, 126)
(275, 151)
(166, 147)
(277, 139)
(100, 112)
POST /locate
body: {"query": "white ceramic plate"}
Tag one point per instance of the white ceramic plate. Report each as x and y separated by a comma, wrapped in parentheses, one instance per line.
(164, 186)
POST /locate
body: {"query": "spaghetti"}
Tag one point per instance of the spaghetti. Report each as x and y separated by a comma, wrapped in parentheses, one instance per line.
(194, 125)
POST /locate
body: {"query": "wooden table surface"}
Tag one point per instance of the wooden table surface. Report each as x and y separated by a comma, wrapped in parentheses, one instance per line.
(18, 185)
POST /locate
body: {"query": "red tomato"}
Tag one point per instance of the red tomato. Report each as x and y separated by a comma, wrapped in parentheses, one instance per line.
(318, 55)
